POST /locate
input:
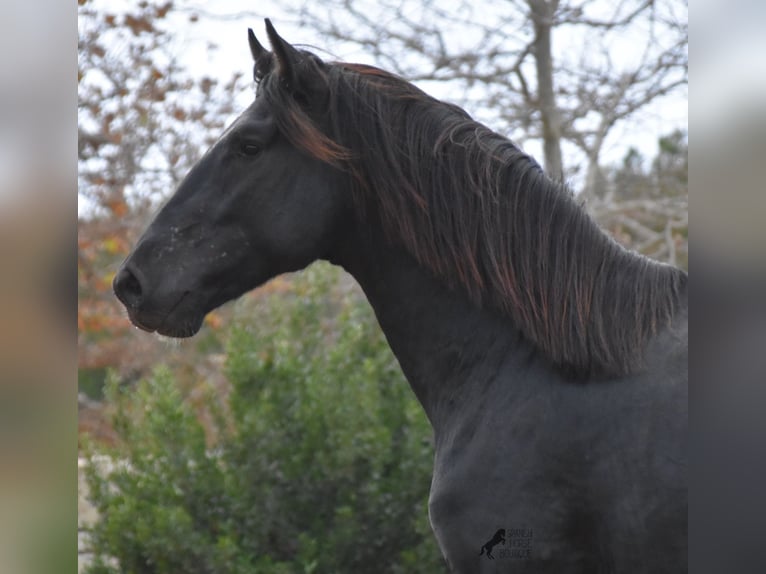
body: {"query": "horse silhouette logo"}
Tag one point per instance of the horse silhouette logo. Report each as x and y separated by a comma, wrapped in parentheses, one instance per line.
(498, 538)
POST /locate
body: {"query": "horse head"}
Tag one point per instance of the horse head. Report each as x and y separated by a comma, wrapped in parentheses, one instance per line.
(253, 207)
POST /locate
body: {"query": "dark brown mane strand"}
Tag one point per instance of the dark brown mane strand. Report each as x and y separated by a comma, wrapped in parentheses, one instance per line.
(297, 126)
(482, 215)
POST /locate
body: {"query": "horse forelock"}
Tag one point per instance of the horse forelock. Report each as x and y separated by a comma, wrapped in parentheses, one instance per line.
(481, 215)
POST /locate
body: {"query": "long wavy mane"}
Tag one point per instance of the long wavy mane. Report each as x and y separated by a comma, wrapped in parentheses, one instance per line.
(481, 215)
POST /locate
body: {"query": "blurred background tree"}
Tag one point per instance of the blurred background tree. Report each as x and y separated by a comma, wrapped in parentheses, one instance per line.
(573, 78)
(645, 203)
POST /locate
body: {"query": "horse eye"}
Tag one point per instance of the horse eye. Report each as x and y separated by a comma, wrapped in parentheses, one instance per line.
(250, 148)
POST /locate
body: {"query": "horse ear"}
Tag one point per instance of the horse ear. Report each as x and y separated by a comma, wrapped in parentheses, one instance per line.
(287, 57)
(261, 56)
(256, 49)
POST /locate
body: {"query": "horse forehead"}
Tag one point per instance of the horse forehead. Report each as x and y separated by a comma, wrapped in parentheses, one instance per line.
(256, 110)
(234, 125)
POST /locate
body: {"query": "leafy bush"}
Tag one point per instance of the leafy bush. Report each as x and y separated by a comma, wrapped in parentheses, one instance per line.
(319, 460)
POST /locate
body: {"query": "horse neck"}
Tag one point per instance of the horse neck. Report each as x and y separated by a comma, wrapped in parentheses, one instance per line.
(447, 347)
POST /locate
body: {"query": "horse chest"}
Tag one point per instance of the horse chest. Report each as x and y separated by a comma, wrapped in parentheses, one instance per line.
(565, 494)
(487, 522)
(485, 482)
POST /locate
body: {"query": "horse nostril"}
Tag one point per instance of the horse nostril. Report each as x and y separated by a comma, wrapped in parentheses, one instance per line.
(127, 287)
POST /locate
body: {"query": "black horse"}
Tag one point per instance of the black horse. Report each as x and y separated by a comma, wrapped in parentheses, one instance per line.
(550, 361)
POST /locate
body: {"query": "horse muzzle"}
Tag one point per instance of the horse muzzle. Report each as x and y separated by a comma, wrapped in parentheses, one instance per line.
(170, 314)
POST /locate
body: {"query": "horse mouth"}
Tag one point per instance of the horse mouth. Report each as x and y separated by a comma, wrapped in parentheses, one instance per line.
(176, 323)
(182, 329)
(143, 326)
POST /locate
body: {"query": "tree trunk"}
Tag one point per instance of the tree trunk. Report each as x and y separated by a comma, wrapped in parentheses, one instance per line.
(595, 182)
(542, 12)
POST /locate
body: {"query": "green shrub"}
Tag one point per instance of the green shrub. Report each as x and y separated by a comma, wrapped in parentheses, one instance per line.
(320, 459)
